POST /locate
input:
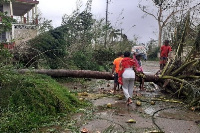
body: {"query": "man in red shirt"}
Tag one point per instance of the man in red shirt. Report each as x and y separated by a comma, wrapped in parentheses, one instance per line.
(164, 51)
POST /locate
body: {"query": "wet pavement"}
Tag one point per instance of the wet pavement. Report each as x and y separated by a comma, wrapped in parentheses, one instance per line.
(110, 114)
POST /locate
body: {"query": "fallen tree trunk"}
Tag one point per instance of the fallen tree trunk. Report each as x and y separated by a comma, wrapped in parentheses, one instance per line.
(82, 74)
(181, 88)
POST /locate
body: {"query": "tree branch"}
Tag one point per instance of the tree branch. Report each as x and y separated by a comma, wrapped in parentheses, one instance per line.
(151, 14)
(172, 13)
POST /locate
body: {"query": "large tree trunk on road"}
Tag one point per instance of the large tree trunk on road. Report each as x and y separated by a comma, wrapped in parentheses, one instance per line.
(81, 74)
(164, 81)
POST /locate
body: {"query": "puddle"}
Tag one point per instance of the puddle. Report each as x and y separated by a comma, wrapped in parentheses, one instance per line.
(149, 111)
(150, 94)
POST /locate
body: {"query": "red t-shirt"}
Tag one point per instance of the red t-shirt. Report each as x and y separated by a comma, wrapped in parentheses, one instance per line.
(126, 62)
(165, 50)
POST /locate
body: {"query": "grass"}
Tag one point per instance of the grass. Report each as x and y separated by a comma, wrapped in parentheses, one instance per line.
(30, 100)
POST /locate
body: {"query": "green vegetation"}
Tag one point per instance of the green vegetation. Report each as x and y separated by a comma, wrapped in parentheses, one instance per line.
(30, 100)
(6, 22)
(152, 53)
(77, 44)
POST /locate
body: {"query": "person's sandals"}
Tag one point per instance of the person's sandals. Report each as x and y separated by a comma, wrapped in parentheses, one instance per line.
(129, 101)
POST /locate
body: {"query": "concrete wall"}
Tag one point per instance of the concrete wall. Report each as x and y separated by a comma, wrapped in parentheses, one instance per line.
(23, 35)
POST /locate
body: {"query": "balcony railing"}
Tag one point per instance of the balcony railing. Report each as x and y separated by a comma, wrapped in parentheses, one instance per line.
(30, 1)
(26, 21)
(22, 26)
(9, 45)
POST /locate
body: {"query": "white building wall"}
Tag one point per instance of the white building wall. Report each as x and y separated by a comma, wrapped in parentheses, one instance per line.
(6, 8)
(21, 32)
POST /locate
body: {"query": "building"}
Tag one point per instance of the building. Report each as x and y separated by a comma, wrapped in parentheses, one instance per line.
(24, 12)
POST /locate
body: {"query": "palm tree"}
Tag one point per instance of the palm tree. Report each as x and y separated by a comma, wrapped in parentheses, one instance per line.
(114, 34)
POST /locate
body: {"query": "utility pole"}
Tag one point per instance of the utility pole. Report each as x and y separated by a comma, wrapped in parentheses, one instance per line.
(121, 39)
(105, 44)
(121, 35)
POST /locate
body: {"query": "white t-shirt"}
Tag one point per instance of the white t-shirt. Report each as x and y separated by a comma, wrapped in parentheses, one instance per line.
(128, 73)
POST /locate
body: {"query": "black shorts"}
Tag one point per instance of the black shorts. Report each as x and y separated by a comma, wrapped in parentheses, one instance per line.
(163, 60)
(116, 78)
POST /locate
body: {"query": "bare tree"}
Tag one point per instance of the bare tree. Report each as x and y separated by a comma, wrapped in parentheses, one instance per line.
(166, 10)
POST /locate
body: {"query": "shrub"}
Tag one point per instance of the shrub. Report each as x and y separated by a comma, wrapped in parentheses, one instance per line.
(27, 101)
(85, 61)
(152, 54)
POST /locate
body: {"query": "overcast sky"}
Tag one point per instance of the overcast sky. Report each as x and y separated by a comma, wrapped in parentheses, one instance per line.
(144, 27)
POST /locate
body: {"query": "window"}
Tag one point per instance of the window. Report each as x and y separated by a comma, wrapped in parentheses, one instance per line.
(3, 37)
(1, 8)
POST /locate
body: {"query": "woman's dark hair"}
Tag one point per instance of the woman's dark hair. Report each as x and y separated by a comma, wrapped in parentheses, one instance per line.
(127, 54)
